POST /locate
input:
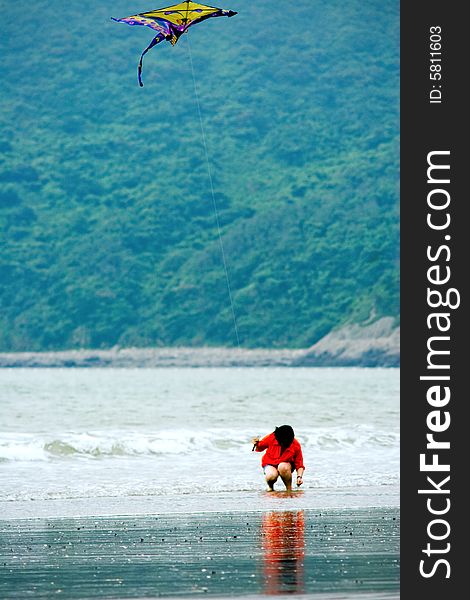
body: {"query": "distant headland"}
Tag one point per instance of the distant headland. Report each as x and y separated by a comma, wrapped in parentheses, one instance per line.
(373, 345)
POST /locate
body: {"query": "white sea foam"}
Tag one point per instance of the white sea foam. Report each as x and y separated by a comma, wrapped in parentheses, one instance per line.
(108, 444)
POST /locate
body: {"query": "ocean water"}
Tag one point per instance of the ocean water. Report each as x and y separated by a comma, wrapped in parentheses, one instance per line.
(132, 441)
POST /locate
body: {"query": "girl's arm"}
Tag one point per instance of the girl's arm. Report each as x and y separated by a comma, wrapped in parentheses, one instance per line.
(262, 444)
(299, 465)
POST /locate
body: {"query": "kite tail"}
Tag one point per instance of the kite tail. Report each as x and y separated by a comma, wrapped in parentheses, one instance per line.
(156, 40)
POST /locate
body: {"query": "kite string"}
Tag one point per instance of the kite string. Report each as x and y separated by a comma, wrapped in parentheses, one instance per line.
(214, 202)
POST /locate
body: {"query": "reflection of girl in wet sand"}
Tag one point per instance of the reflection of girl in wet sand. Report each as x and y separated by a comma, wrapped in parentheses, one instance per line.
(283, 456)
(284, 548)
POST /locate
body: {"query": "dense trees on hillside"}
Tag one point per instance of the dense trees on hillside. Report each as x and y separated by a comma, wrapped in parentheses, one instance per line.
(107, 219)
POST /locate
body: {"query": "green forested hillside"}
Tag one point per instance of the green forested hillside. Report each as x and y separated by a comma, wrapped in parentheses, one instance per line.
(108, 233)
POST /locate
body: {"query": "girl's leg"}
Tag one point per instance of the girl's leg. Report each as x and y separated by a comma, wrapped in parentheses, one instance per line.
(285, 471)
(271, 476)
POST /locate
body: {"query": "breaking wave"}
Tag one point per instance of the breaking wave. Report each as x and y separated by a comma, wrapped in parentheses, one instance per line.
(115, 444)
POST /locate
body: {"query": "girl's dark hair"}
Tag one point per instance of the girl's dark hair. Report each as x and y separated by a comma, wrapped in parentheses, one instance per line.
(284, 435)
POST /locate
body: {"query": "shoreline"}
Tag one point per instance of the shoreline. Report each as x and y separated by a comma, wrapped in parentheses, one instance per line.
(150, 358)
(374, 345)
(312, 499)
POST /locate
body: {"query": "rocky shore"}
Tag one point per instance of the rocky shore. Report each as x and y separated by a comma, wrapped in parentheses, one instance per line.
(374, 345)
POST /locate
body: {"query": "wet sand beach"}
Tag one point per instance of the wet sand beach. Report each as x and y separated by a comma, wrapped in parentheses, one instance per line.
(337, 553)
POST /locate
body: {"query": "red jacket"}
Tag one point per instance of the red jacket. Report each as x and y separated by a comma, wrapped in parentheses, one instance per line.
(274, 454)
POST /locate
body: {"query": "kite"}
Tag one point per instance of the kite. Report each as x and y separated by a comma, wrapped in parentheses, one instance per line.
(172, 21)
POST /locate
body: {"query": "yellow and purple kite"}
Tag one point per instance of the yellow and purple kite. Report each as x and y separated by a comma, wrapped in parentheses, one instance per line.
(172, 21)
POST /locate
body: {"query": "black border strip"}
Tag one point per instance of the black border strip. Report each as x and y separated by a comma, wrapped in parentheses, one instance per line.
(429, 127)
